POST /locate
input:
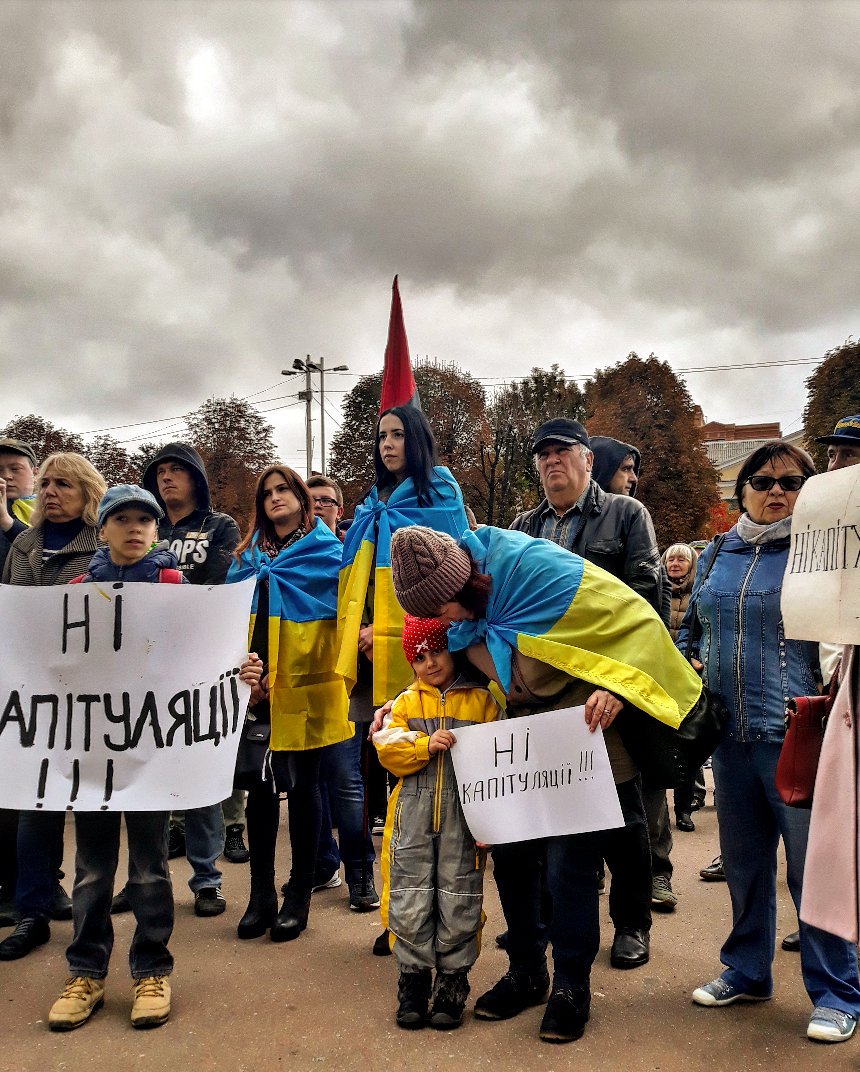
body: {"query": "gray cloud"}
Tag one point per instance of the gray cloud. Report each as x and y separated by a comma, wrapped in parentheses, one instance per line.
(197, 193)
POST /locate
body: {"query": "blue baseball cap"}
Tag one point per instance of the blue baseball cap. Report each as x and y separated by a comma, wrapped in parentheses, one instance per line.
(127, 495)
(846, 433)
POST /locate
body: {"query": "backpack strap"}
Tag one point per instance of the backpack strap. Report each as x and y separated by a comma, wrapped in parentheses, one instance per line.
(169, 576)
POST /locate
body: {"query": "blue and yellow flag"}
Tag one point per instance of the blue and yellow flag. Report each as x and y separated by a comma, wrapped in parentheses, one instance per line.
(23, 508)
(554, 606)
(367, 562)
(307, 696)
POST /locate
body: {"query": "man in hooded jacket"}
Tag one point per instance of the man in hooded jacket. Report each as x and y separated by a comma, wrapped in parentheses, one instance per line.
(203, 542)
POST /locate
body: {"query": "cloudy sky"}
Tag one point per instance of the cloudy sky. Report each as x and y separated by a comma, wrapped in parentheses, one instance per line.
(195, 194)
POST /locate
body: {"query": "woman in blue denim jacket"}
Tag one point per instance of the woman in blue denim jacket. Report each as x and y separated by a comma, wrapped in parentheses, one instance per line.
(749, 664)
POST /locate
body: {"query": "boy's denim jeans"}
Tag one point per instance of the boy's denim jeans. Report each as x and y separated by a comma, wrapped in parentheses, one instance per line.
(148, 889)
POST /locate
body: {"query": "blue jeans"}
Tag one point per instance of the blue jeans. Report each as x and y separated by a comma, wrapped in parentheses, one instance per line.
(40, 854)
(572, 866)
(148, 889)
(752, 818)
(204, 843)
(342, 792)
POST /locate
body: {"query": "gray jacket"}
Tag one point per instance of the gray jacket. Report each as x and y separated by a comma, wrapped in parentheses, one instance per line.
(615, 533)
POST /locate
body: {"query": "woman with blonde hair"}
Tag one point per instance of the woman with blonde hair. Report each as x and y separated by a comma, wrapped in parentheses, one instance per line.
(59, 545)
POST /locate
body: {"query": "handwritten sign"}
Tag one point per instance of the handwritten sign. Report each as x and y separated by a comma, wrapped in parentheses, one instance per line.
(533, 777)
(121, 697)
(821, 587)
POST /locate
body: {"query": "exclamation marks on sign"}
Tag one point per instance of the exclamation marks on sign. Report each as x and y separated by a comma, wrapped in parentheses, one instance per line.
(76, 783)
(43, 780)
(586, 765)
(108, 784)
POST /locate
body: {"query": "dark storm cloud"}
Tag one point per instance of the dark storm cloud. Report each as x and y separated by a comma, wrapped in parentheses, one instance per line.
(208, 190)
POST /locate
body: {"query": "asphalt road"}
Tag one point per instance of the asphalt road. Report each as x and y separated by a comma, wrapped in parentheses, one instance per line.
(324, 1002)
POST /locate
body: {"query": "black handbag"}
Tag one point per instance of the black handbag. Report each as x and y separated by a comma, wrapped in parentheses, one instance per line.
(668, 758)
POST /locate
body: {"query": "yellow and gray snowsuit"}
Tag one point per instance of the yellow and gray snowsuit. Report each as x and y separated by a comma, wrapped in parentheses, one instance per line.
(432, 870)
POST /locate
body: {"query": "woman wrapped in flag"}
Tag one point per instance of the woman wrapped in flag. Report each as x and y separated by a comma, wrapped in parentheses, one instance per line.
(298, 701)
(410, 489)
(554, 631)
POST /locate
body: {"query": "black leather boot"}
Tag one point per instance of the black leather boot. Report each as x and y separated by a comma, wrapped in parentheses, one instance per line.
(261, 911)
(293, 917)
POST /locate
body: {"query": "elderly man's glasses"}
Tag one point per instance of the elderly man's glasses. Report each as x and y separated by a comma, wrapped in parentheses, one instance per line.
(787, 483)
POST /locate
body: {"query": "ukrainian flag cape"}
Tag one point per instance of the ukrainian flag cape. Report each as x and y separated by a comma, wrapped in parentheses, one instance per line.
(307, 697)
(23, 508)
(366, 555)
(554, 606)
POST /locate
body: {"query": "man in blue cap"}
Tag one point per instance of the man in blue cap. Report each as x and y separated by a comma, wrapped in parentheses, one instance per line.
(843, 447)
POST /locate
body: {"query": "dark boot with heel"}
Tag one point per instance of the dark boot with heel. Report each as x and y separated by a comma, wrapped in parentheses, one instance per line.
(413, 998)
(261, 911)
(293, 916)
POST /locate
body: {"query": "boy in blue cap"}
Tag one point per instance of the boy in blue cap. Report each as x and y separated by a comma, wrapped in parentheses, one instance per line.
(128, 525)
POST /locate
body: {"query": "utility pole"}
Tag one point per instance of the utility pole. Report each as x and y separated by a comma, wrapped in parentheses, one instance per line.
(307, 366)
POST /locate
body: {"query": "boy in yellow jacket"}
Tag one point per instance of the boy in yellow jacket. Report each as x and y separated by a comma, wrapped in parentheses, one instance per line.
(432, 869)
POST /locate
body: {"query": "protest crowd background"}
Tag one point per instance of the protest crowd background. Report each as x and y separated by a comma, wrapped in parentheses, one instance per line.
(647, 508)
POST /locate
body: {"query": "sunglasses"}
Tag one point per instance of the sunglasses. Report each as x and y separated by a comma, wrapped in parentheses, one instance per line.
(323, 501)
(787, 483)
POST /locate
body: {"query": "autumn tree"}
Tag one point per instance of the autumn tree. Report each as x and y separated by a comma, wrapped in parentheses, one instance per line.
(644, 403)
(236, 444)
(834, 392)
(508, 478)
(112, 460)
(454, 404)
(44, 437)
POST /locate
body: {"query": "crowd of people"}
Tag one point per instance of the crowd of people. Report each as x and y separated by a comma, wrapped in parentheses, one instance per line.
(371, 644)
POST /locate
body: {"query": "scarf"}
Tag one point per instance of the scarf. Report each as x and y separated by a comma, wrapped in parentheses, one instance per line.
(753, 533)
(367, 564)
(548, 603)
(307, 697)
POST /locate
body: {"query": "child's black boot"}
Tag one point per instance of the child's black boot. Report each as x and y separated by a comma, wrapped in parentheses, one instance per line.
(413, 996)
(449, 1000)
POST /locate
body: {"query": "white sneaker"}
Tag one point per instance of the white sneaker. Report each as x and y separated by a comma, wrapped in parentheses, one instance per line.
(830, 1025)
(328, 884)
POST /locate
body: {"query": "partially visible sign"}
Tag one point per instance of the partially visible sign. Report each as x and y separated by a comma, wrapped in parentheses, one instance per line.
(121, 697)
(533, 777)
(821, 587)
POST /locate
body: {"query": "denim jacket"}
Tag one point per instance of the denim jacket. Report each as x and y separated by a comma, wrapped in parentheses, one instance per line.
(747, 660)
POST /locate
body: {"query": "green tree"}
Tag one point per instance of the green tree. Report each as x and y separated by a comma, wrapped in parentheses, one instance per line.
(508, 479)
(643, 402)
(45, 438)
(834, 392)
(454, 404)
(236, 444)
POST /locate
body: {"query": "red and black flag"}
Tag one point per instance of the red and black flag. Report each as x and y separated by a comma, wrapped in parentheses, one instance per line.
(398, 383)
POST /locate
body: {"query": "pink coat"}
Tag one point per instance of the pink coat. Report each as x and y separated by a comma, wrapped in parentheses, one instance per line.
(830, 881)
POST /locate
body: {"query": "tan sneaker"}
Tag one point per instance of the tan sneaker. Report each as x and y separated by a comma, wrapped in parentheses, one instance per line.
(151, 1001)
(80, 998)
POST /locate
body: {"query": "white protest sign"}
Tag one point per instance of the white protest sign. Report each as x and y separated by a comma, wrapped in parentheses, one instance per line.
(121, 697)
(821, 587)
(533, 777)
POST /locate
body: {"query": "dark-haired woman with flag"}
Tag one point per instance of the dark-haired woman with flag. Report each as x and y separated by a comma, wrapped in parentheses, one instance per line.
(295, 692)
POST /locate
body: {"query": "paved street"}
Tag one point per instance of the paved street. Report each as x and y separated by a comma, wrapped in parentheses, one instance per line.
(324, 1002)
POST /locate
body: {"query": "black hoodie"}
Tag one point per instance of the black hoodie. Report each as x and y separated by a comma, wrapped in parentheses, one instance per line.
(203, 541)
(608, 456)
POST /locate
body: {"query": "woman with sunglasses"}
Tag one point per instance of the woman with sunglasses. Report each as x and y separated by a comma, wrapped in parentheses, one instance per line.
(749, 663)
